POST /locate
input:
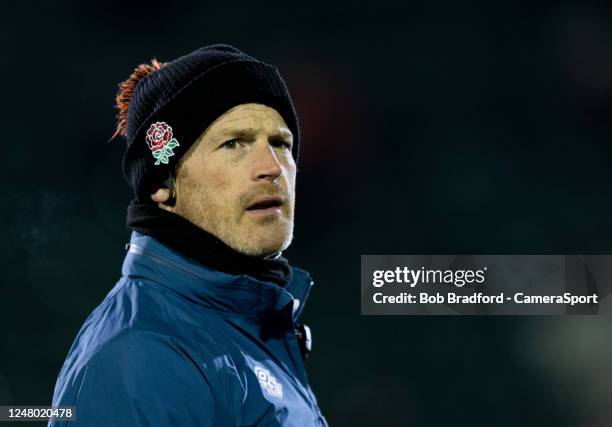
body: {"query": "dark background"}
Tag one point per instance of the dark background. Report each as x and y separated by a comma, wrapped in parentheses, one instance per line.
(434, 127)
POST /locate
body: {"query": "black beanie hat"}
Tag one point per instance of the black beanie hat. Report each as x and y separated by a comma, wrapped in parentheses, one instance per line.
(171, 107)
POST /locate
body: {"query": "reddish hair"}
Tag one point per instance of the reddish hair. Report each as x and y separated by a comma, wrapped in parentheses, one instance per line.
(126, 90)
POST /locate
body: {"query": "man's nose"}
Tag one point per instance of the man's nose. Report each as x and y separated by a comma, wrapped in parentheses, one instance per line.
(266, 165)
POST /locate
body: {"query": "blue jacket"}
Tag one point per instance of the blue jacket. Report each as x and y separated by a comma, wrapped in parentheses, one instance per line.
(177, 344)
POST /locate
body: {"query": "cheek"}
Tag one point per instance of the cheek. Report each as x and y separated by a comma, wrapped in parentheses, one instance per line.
(221, 187)
(290, 174)
(220, 181)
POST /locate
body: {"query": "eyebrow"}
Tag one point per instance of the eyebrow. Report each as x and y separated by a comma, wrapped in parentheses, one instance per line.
(250, 132)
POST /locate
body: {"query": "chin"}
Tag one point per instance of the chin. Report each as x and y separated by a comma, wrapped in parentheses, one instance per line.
(265, 245)
(265, 248)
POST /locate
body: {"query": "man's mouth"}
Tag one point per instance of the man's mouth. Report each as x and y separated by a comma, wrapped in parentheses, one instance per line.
(267, 205)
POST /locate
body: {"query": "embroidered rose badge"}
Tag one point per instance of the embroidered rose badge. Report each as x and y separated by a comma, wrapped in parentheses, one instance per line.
(160, 141)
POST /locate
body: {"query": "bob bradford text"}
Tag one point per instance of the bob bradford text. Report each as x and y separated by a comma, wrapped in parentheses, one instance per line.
(480, 298)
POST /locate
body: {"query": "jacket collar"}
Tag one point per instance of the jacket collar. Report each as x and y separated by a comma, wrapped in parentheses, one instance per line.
(239, 294)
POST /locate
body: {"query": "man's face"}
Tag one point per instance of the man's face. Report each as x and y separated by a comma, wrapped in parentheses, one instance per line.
(238, 180)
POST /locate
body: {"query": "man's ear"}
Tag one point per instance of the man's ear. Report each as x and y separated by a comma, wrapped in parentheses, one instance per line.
(164, 196)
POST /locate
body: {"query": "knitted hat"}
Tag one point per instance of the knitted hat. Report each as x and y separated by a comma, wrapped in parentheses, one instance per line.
(164, 108)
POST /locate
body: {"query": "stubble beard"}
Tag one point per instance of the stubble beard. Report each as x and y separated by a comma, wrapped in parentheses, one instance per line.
(231, 225)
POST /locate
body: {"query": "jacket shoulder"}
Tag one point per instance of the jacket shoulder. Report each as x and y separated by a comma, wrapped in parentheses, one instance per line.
(135, 355)
(139, 304)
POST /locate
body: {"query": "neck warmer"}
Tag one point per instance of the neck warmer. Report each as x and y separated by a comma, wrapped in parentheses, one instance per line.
(193, 242)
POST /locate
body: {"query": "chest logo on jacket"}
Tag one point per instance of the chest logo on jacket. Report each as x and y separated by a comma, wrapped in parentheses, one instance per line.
(269, 383)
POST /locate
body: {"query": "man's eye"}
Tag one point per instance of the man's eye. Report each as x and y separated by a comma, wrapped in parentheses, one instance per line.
(232, 143)
(281, 144)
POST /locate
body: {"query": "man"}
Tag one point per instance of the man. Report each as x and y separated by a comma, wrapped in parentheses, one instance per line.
(201, 329)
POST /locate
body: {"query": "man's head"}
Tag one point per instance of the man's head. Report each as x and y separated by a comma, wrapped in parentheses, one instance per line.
(238, 181)
(222, 123)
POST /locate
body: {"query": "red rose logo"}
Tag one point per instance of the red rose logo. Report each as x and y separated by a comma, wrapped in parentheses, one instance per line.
(158, 135)
(160, 141)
